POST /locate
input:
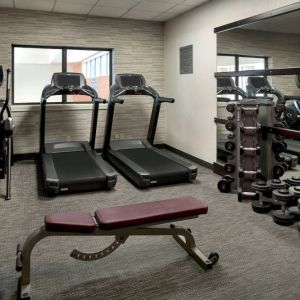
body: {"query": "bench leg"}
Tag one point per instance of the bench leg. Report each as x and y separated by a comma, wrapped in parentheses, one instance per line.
(193, 251)
(23, 261)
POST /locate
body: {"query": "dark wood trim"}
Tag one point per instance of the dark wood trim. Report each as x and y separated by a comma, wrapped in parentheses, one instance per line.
(266, 72)
(218, 168)
(267, 15)
(186, 155)
(26, 156)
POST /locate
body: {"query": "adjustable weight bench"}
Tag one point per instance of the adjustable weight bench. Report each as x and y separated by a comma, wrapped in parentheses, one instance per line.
(151, 218)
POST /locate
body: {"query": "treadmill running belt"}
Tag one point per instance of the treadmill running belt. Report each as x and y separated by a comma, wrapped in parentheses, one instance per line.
(157, 165)
(73, 167)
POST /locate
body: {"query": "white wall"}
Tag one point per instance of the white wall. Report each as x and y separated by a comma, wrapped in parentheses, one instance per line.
(190, 121)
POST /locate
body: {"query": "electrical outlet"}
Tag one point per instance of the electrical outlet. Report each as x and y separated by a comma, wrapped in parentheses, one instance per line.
(117, 136)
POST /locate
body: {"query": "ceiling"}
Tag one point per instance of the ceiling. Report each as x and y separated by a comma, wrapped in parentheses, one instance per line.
(287, 23)
(156, 10)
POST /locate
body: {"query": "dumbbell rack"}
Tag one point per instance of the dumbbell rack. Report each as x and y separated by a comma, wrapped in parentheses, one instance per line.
(252, 154)
(271, 145)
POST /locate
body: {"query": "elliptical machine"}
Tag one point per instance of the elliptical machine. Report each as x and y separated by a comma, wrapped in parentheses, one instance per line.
(6, 133)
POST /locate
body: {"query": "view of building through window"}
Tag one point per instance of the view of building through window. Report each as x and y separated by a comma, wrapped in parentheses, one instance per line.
(33, 69)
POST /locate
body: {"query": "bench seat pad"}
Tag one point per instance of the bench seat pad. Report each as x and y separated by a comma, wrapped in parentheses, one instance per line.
(70, 222)
(149, 212)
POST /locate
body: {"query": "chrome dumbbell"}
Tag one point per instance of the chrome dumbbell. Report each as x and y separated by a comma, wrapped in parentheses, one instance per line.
(295, 210)
(260, 206)
(283, 216)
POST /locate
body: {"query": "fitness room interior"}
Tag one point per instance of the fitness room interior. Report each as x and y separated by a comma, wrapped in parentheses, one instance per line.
(168, 130)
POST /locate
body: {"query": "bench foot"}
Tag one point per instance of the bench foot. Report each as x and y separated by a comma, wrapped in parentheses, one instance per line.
(197, 255)
(23, 291)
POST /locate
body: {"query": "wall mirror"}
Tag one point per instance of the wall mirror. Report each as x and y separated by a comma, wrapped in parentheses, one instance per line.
(264, 42)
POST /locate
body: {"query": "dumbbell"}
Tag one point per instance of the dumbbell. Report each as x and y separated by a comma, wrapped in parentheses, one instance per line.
(224, 185)
(278, 170)
(229, 168)
(230, 125)
(278, 147)
(295, 210)
(293, 181)
(231, 107)
(260, 206)
(275, 184)
(283, 216)
(230, 146)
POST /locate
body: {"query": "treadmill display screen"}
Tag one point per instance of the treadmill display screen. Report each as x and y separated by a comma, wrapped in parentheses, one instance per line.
(68, 81)
(224, 82)
(258, 82)
(133, 80)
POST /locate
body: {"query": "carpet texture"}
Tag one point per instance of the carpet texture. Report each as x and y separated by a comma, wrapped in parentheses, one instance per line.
(258, 259)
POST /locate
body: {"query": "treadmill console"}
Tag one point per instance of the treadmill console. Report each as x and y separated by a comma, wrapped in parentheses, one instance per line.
(225, 82)
(68, 81)
(130, 80)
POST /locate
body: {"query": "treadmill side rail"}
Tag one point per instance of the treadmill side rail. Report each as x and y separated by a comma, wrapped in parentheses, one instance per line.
(130, 169)
(50, 175)
(108, 170)
(193, 170)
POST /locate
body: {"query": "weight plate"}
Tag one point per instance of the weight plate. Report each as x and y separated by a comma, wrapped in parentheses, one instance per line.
(230, 126)
(276, 184)
(224, 186)
(278, 147)
(230, 107)
(228, 178)
(261, 207)
(278, 171)
(295, 189)
(295, 211)
(229, 146)
(260, 186)
(294, 180)
(283, 195)
(229, 168)
(285, 219)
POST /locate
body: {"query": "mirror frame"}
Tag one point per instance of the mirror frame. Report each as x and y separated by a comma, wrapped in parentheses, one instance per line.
(263, 16)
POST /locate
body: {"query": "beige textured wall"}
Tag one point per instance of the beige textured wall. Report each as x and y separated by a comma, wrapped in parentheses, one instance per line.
(281, 49)
(138, 47)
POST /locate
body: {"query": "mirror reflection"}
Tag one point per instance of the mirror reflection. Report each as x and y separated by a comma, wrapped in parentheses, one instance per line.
(268, 44)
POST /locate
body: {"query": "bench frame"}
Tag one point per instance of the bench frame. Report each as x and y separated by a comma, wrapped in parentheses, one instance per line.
(181, 235)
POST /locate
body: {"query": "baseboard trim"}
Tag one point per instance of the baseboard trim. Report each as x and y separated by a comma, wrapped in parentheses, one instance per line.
(36, 156)
(187, 156)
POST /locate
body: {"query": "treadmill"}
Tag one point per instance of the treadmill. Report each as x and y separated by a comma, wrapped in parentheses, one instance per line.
(73, 166)
(138, 160)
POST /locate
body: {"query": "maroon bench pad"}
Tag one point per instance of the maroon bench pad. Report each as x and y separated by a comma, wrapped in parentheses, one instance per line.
(149, 212)
(70, 221)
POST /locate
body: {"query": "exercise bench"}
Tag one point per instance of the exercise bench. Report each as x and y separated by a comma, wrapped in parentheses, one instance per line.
(151, 218)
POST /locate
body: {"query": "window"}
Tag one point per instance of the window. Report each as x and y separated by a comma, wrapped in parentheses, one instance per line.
(231, 63)
(34, 66)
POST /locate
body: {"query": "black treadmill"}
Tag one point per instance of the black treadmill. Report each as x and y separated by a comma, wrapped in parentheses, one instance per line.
(73, 166)
(138, 160)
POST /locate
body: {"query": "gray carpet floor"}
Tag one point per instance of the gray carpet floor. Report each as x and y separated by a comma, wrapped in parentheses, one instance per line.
(258, 259)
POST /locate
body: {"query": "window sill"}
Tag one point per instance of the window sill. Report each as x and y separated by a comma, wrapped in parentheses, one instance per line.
(55, 107)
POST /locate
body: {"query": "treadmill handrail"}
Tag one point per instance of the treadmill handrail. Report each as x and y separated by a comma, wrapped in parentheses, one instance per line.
(147, 91)
(229, 90)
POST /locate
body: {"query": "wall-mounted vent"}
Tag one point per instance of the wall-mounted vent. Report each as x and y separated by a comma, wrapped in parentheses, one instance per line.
(186, 60)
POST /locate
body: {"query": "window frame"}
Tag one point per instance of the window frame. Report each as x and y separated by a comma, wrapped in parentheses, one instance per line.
(64, 68)
(236, 63)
